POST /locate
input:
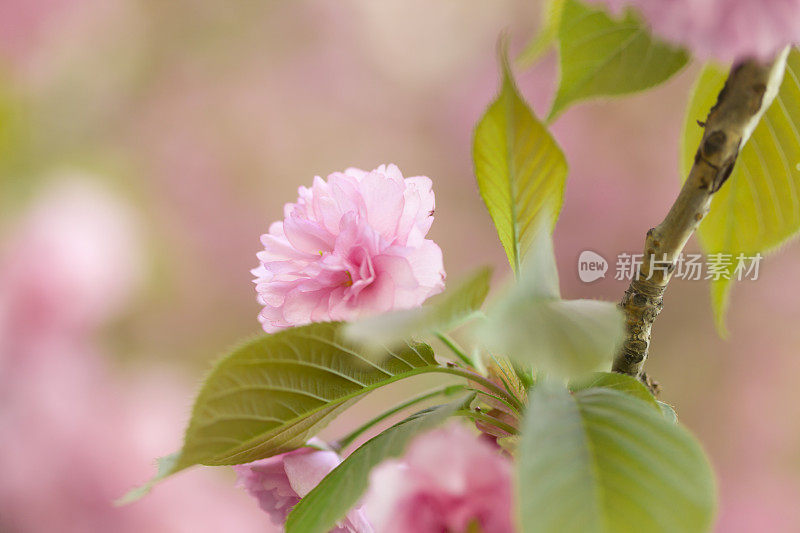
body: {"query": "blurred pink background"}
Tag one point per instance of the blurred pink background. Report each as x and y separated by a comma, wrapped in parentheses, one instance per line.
(145, 146)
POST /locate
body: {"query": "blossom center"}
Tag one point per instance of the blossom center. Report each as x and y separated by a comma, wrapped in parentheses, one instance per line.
(349, 281)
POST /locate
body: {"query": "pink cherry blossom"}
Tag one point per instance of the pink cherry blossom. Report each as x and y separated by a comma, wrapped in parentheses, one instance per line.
(73, 262)
(83, 430)
(721, 29)
(448, 480)
(351, 246)
(279, 482)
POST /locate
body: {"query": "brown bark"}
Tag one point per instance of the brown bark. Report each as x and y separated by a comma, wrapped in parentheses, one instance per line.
(749, 90)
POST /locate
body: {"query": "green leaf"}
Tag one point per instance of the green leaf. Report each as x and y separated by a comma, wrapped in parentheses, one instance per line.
(565, 338)
(547, 35)
(531, 325)
(620, 382)
(668, 412)
(272, 394)
(340, 490)
(442, 312)
(600, 461)
(604, 56)
(164, 467)
(520, 169)
(758, 208)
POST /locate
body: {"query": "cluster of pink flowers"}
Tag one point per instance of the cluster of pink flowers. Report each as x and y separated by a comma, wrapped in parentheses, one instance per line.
(725, 30)
(353, 245)
(450, 480)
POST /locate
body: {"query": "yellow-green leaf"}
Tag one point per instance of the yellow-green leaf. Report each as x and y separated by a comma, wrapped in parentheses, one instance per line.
(547, 35)
(520, 169)
(758, 208)
(605, 56)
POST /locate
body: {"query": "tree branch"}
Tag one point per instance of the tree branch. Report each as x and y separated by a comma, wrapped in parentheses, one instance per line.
(749, 90)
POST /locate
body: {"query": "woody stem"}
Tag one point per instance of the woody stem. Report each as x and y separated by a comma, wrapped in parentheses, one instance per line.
(749, 90)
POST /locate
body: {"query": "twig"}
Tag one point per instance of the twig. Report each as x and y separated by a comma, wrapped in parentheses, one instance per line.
(345, 441)
(490, 385)
(749, 90)
(489, 420)
(455, 348)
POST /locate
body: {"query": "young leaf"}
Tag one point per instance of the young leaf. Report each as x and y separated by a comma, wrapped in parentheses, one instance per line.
(604, 56)
(758, 208)
(340, 490)
(548, 33)
(442, 312)
(274, 393)
(564, 338)
(540, 272)
(599, 460)
(533, 326)
(620, 382)
(520, 169)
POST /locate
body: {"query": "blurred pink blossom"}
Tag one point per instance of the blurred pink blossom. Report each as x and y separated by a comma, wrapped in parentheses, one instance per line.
(448, 480)
(722, 29)
(73, 435)
(352, 245)
(22, 23)
(278, 483)
(74, 261)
